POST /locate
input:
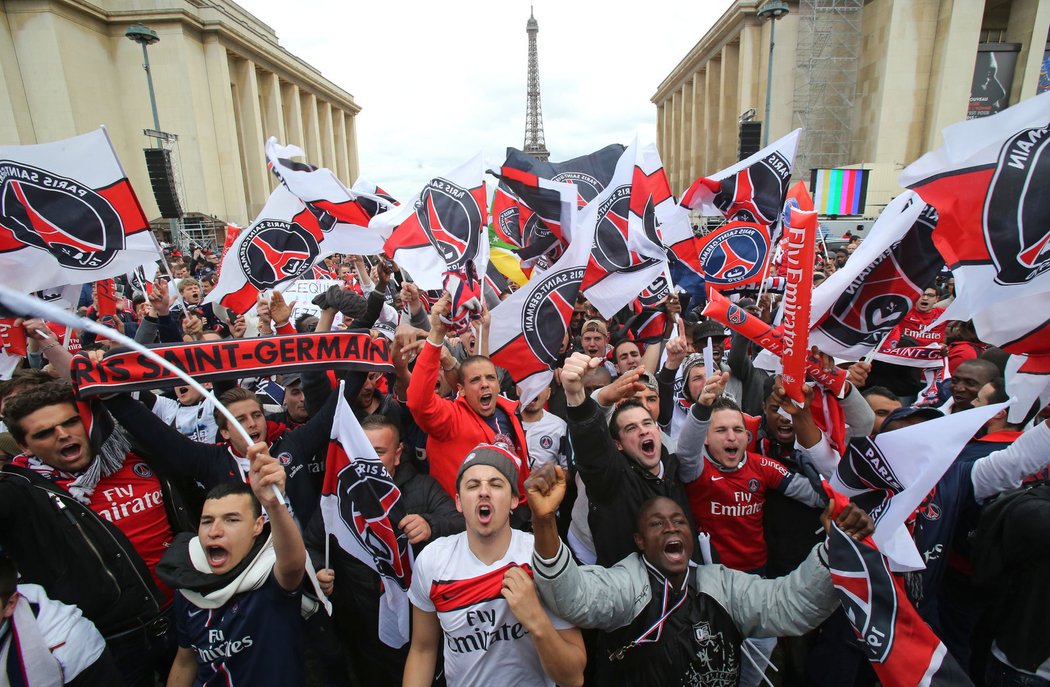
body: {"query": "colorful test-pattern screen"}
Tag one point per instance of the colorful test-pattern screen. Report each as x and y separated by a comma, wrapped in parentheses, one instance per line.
(840, 191)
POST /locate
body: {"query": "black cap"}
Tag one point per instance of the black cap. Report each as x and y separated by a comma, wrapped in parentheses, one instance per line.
(922, 412)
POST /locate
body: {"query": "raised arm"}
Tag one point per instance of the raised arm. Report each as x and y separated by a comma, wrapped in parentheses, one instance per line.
(1004, 469)
(288, 546)
(432, 413)
(694, 432)
(593, 596)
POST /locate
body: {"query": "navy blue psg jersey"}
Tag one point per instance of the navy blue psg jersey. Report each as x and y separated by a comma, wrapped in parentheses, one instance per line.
(252, 640)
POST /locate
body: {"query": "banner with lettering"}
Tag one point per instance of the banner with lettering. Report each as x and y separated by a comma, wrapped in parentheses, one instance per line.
(210, 361)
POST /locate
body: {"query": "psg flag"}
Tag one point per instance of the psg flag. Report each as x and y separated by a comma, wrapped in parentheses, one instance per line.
(989, 184)
(902, 649)
(857, 306)
(68, 215)
(281, 245)
(361, 506)
(903, 466)
(753, 190)
(635, 223)
(336, 207)
(442, 228)
(529, 328)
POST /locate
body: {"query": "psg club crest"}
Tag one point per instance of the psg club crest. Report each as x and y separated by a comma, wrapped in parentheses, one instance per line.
(756, 194)
(546, 314)
(734, 255)
(367, 495)
(451, 218)
(1016, 212)
(62, 216)
(587, 185)
(276, 251)
(610, 248)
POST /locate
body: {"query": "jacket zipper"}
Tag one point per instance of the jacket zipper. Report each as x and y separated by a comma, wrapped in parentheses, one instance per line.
(64, 510)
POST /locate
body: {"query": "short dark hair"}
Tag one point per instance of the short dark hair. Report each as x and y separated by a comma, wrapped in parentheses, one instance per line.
(725, 403)
(880, 391)
(8, 579)
(379, 421)
(999, 394)
(614, 424)
(986, 367)
(23, 379)
(623, 341)
(33, 399)
(224, 489)
(476, 359)
(234, 395)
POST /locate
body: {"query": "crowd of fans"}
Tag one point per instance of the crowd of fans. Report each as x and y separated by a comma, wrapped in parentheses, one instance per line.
(646, 520)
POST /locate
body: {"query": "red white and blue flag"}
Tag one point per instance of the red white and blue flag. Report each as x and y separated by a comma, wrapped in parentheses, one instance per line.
(988, 184)
(337, 208)
(68, 215)
(361, 506)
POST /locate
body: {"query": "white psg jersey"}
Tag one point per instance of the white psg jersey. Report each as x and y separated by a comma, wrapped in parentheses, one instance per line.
(484, 643)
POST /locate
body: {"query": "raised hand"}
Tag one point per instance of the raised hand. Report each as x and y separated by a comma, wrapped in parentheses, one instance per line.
(545, 490)
(572, 373)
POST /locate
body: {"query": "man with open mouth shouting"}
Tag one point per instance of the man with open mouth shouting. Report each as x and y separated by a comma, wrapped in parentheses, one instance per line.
(239, 586)
(474, 590)
(663, 623)
(621, 464)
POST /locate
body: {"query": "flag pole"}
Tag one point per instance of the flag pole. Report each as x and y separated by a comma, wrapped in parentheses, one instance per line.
(21, 303)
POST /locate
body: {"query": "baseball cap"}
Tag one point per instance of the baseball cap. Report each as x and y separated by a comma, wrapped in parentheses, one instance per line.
(922, 412)
(495, 456)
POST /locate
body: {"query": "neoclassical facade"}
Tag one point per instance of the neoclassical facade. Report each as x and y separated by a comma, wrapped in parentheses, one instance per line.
(873, 82)
(223, 85)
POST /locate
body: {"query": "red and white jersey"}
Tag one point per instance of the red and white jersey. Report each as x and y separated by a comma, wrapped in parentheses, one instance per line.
(727, 504)
(131, 498)
(484, 643)
(917, 325)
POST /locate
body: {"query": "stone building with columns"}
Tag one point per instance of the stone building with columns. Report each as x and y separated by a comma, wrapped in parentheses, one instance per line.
(223, 85)
(872, 82)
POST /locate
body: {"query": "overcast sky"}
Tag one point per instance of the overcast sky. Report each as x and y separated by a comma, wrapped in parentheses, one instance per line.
(439, 81)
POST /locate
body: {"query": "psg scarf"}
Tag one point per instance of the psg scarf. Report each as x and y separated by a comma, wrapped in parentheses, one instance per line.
(210, 361)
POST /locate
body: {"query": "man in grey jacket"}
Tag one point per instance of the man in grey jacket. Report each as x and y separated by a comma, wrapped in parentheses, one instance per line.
(664, 625)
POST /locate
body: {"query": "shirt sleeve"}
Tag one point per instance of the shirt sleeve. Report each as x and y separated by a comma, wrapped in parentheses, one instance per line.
(419, 591)
(1004, 469)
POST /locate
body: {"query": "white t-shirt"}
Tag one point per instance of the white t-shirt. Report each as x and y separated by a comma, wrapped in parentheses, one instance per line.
(484, 643)
(546, 440)
(196, 421)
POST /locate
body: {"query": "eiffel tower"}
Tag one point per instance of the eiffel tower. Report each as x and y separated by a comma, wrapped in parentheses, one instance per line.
(534, 144)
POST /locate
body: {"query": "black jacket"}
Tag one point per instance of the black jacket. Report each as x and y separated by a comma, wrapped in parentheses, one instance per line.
(212, 464)
(78, 557)
(616, 485)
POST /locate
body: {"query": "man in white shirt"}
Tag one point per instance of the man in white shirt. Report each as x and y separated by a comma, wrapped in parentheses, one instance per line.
(546, 434)
(475, 591)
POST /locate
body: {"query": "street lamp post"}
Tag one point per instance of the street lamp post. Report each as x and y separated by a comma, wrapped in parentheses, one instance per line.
(772, 10)
(145, 36)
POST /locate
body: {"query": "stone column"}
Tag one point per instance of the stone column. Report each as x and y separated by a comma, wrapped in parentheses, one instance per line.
(311, 128)
(272, 107)
(954, 55)
(729, 105)
(687, 142)
(248, 112)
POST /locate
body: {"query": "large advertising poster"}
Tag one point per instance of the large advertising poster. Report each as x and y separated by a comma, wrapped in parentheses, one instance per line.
(993, 76)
